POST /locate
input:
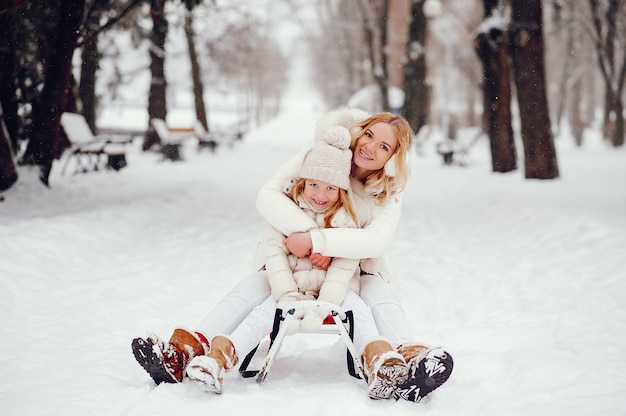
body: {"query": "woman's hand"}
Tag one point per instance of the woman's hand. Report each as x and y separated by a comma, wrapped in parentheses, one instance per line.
(320, 261)
(299, 244)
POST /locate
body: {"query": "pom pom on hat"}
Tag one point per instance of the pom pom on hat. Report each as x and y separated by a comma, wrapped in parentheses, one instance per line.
(330, 160)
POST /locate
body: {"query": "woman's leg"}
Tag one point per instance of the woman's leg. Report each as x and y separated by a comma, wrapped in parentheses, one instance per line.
(385, 305)
(365, 328)
(231, 310)
(257, 324)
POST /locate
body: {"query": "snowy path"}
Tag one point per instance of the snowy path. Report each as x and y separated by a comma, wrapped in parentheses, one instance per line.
(523, 281)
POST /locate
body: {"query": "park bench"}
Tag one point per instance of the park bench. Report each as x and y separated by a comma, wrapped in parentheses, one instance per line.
(171, 142)
(455, 152)
(92, 152)
(212, 140)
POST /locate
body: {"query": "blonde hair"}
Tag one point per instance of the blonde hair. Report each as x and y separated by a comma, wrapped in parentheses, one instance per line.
(343, 201)
(384, 185)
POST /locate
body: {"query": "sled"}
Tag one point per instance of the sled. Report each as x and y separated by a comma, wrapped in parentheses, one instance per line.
(338, 322)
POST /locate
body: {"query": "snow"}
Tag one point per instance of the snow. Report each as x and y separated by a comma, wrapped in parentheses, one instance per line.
(522, 281)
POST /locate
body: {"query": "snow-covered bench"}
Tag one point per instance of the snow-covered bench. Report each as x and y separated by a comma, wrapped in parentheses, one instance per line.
(214, 139)
(89, 150)
(170, 142)
(455, 152)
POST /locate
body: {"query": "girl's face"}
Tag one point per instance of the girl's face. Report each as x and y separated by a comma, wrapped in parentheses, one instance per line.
(374, 148)
(320, 195)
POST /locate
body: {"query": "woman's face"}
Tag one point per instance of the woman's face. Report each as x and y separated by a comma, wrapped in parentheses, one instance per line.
(374, 148)
(320, 195)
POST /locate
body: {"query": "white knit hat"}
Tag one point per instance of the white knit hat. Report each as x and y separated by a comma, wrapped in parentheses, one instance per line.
(330, 160)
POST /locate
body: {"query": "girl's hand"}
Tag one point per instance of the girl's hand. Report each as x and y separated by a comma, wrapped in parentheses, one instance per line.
(320, 261)
(299, 244)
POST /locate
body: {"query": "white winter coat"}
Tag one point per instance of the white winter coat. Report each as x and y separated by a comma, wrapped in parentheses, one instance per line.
(288, 273)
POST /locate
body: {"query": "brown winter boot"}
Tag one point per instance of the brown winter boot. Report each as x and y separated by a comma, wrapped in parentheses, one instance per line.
(385, 368)
(208, 370)
(412, 352)
(166, 362)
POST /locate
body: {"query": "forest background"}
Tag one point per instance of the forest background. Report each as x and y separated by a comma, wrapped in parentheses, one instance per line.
(521, 70)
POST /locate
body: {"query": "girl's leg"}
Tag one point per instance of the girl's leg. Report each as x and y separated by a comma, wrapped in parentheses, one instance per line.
(231, 310)
(167, 361)
(388, 314)
(208, 371)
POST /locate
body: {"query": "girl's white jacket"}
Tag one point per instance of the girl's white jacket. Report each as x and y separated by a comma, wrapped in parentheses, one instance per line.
(288, 273)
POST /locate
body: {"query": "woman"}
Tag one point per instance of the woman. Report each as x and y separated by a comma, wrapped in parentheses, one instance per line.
(381, 146)
(382, 153)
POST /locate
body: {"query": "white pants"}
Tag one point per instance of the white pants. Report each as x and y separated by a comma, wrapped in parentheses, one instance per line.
(386, 309)
(259, 322)
(251, 291)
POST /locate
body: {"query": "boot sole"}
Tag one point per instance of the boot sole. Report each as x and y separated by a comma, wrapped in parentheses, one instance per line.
(427, 375)
(151, 360)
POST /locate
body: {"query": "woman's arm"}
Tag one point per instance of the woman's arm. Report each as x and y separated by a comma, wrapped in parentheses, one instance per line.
(359, 243)
(277, 208)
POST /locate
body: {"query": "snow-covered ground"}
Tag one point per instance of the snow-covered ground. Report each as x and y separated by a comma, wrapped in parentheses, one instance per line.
(522, 281)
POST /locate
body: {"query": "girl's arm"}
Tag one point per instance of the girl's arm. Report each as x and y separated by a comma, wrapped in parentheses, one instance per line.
(337, 282)
(279, 274)
(276, 207)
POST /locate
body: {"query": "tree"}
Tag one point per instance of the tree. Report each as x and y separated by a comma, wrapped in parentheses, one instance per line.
(157, 100)
(527, 50)
(491, 45)
(609, 35)
(90, 57)
(115, 11)
(375, 29)
(58, 40)
(8, 70)
(8, 172)
(198, 88)
(8, 65)
(416, 90)
(339, 51)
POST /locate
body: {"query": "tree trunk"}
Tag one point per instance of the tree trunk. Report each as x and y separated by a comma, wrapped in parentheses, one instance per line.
(198, 88)
(608, 37)
(617, 138)
(157, 104)
(377, 60)
(8, 171)
(382, 75)
(527, 49)
(8, 69)
(492, 49)
(416, 91)
(90, 60)
(46, 142)
(578, 122)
